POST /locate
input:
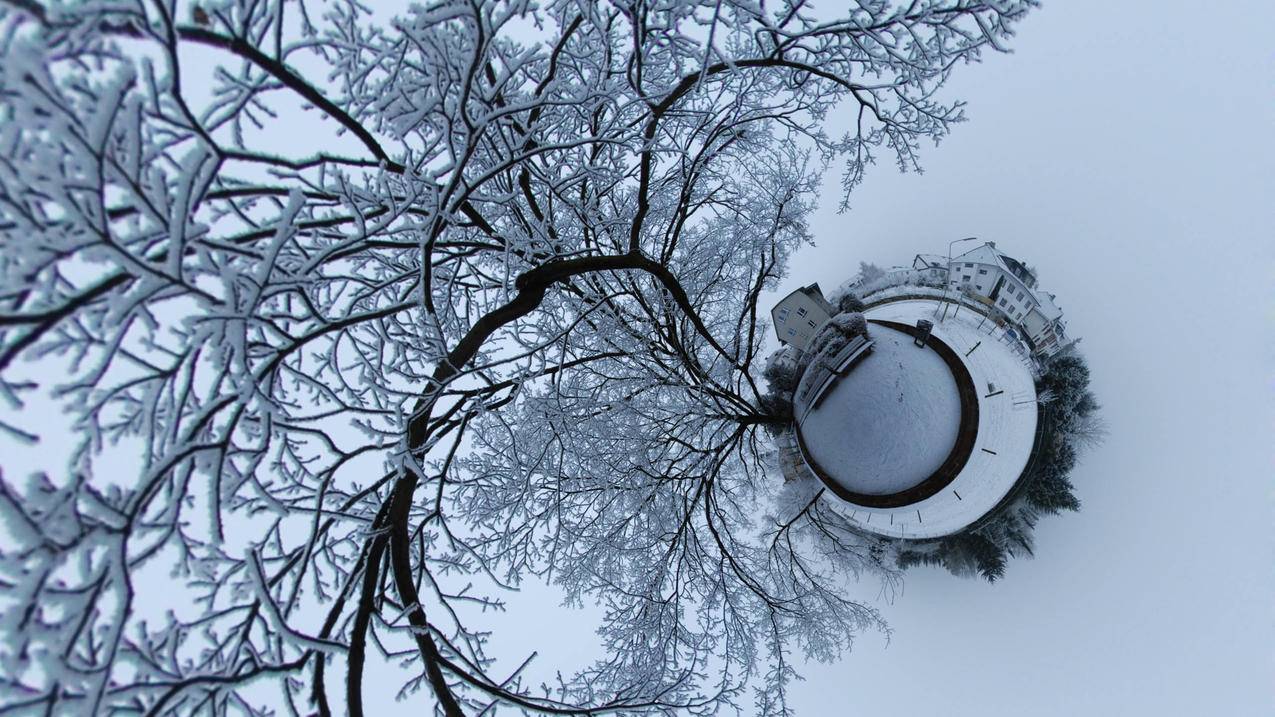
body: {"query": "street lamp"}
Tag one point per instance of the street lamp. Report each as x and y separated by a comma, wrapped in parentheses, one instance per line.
(948, 282)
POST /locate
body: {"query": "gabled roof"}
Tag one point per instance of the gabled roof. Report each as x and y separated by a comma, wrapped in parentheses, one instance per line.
(985, 254)
(989, 254)
(1017, 268)
(811, 291)
(1047, 306)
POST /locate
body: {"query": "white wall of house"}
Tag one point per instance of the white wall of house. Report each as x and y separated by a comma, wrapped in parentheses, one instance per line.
(799, 316)
(983, 273)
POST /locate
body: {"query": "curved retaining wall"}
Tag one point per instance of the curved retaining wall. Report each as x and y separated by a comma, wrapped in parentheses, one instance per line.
(967, 432)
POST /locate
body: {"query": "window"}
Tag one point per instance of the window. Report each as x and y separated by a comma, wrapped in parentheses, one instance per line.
(792, 332)
(982, 271)
(801, 311)
(1002, 301)
(811, 322)
(1020, 296)
(783, 315)
(965, 279)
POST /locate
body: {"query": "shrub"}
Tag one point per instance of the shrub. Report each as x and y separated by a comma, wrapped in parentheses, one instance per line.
(851, 302)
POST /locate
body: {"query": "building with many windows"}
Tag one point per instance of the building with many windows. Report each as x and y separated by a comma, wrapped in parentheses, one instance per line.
(1005, 283)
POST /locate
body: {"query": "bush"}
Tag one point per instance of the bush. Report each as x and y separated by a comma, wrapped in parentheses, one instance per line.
(851, 302)
(853, 324)
(781, 376)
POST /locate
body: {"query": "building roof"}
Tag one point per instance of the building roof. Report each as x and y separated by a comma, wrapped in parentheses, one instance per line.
(814, 292)
(987, 253)
(1018, 269)
(982, 254)
(1047, 306)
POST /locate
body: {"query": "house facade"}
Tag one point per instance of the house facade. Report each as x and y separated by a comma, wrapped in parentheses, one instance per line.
(989, 275)
(800, 315)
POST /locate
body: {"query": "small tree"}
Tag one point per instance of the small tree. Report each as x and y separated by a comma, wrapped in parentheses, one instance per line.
(869, 272)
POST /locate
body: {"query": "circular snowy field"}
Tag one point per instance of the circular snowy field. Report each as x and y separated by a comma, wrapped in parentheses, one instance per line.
(1006, 394)
(890, 422)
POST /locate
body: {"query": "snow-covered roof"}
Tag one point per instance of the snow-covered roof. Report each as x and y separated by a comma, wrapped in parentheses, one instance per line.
(937, 260)
(987, 253)
(983, 254)
(814, 293)
(1047, 306)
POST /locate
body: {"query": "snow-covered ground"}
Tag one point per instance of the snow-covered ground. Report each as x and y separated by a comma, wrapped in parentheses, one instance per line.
(881, 291)
(888, 423)
(1006, 426)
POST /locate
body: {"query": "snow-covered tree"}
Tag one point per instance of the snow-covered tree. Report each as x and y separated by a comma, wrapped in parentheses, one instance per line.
(851, 302)
(869, 272)
(357, 321)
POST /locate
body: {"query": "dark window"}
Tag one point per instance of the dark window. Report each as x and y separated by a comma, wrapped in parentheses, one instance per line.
(968, 265)
(801, 311)
(982, 271)
(811, 322)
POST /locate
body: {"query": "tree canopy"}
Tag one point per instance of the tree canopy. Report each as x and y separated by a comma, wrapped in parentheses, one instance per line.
(356, 322)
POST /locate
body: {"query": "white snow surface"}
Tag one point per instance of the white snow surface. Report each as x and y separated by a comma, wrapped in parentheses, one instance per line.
(1006, 425)
(889, 422)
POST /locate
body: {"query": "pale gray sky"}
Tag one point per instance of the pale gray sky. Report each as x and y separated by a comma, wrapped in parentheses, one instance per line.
(1126, 150)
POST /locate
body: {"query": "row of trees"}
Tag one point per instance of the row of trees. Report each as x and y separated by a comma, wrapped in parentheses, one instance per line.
(479, 308)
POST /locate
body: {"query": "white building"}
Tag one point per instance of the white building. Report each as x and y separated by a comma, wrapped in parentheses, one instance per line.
(800, 315)
(1001, 281)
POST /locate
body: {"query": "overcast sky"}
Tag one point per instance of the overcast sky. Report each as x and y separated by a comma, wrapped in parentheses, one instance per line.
(1125, 150)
